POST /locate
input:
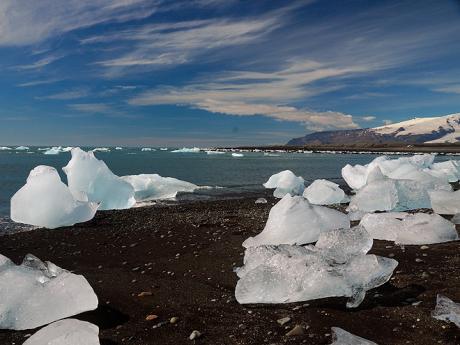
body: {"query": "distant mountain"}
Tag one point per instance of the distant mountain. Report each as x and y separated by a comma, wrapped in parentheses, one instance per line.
(443, 129)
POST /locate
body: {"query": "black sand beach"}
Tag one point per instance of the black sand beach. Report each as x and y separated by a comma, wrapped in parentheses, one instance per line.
(177, 261)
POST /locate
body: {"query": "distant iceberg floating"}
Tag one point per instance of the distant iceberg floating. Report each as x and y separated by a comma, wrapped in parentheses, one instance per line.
(66, 332)
(118, 148)
(22, 148)
(90, 178)
(285, 182)
(212, 152)
(46, 201)
(101, 149)
(36, 293)
(5, 148)
(237, 155)
(187, 150)
(147, 149)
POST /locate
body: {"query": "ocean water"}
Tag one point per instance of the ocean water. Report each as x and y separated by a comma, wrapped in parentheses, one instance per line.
(235, 175)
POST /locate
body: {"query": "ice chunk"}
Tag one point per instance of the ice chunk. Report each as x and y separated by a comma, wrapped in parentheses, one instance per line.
(449, 170)
(187, 150)
(5, 148)
(445, 202)
(212, 152)
(447, 310)
(324, 192)
(36, 293)
(342, 337)
(456, 218)
(53, 151)
(154, 186)
(22, 148)
(47, 202)
(237, 155)
(405, 228)
(294, 221)
(101, 149)
(413, 194)
(118, 148)
(285, 182)
(291, 273)
(87, 174)
(261, 201)
(66, 332)
(147, 149)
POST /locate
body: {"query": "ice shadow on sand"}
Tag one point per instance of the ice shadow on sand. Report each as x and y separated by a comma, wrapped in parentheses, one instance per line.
(105, 317)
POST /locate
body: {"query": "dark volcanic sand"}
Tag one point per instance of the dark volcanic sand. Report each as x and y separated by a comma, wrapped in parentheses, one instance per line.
(184, 255)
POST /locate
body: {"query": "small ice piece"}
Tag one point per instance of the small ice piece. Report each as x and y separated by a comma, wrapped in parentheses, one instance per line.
(445, 202)
(405, 228)
(285, 182)
(53, 151)
(154, 187)
(342, 337)
(234, 154)
(22, 148)
(187, 150)
(36, 293)
(87, 174)
(446, 310)
(5, 148)
(456, 218)
(163, 149)
(324, 192)
(101, 149)
(212, 152)
(291, 273)
(147, 149)
(47, 202)
(294, 221)
(261, 201)
(118, 148)
(66, 332)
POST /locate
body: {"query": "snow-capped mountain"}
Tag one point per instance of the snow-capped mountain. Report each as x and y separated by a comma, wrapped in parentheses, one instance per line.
(443, 129)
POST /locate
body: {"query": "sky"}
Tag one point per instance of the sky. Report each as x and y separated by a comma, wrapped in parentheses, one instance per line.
(220, 72)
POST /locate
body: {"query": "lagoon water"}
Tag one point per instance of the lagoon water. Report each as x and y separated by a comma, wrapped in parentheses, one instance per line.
(236, 174)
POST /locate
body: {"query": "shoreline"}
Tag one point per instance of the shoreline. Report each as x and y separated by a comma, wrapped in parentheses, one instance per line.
(177, 260)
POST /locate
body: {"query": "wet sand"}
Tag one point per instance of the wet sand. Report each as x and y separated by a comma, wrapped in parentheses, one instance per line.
(178, 260)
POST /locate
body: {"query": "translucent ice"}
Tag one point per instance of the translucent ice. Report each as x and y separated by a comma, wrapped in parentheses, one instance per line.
(445, 202)
(324, 192)
(294, 221)
(46, 201)
(405, 228)
(290, 273)
(447, 310)
(36, 293)
(285, 182)
(87, 174)
(154, 186)
(66, 332)
(342, 337)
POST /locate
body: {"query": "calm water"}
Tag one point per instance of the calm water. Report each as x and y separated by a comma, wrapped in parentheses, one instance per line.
(235, 174)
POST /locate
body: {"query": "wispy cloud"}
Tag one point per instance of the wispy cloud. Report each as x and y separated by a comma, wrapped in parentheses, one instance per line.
(367, 118)
(100, 108)
(38, 64)
(39, 82)
(67, 95)
(448, 89)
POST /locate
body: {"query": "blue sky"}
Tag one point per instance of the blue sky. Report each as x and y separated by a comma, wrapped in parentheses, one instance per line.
(220, 72)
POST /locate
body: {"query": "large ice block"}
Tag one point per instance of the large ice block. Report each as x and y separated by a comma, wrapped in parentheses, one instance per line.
(342, 337)
(445, 202)
(324, 192)
(447, 310)
(285, 182)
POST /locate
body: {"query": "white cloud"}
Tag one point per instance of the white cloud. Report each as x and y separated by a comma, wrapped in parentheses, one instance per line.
(38, 64)
(448, 89)
(100, 108)
(367, 118)
(66, 95)
(39, 82)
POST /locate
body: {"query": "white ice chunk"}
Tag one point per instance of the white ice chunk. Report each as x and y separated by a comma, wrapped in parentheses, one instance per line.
(22, 148)
(101, 149)
(36, 293)
(324, 192)
(456, 218)
(87, 174)
(414, 194)
(449, 170)
(212, 152)
(342, 337)
(154, 186)
(234, 154)
(118, 148)
(405, 228)
(5, 148)
(187, 150)
(147, 149)
(261, 201)
(447, 310)
(445, 202)
(285, 182)
(66, 332)
(294, 221)
(47, 202)
(290, 273)
(53, 151)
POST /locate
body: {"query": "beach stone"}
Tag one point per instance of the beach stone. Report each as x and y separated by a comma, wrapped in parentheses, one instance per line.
(145, 293)
(297, 330)
(151, 317)
(283, 320)
(194, 335)
(174, 320)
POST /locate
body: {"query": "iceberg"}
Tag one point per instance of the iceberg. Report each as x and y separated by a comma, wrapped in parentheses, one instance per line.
(285, 182)
(90, 177)
(187, 150)
(291, 273)
(118, 148)
(324, 192)
(342, 337)
(36, 293)
(53, 151)
(46, 201)
(446, 310)
(212, 152)
(66, 332)
(294, 221)
(445, 202)
(153, 186)
(237, 155)
(147, 149)
(405, 228)
(22, 148)
(101, 149)
(5, 148)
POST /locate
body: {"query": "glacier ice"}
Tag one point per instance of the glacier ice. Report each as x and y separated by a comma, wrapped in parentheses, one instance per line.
(456, 218)
(187, 150)
(147, 149)
(291, 273)
(324, 192)
(405, 228)
(447, 310)
(285, 182)
(342, 337)
(66, 332)
(101, 149)
(22, 148)
(154, 186)
(234, 154)
(88, 175)
(36, 293)
(445, 202)
(47, 202)
(213, 152)
(293, 220)
(5, 148)
(55, 150)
